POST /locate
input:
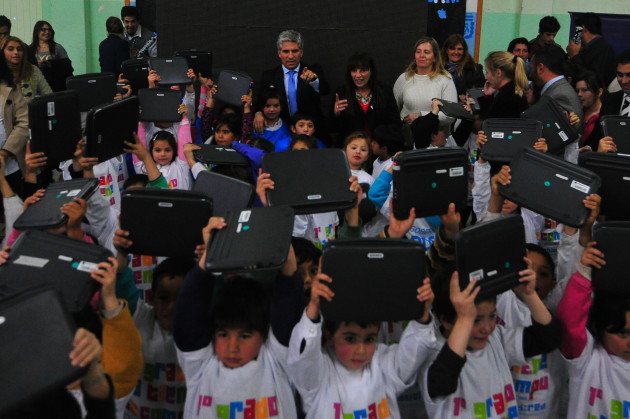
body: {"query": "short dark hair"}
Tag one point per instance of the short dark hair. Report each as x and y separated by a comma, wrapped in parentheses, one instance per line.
(129, 11)
(309, 140)
(548, 24)
(531, 247)
(113, 25)
(242, 303)
(590, 21)
(305, 250)
(263, 144)
(138, 178)
(514, 42)
(624, 57)
(233, 122)
(390, 136)
(302, 116)
(5, 21)
(172, 267)
(553, 57)
(608, 313)
(592, 80)
(442, 305)
(332, 326)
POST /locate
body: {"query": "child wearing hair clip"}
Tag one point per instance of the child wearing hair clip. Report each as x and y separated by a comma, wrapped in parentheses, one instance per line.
(169, 156)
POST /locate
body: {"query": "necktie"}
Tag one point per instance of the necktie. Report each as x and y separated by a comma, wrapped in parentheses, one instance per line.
(625, 107)
(292, 94)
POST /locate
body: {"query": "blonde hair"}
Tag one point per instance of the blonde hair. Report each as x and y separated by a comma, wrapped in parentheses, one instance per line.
(513, 68)
(438, 64)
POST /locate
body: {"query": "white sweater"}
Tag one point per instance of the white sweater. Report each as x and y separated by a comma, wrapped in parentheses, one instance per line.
(414, 95)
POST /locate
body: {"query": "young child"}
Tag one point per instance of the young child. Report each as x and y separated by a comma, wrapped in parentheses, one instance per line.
(357, 147)
(353, 376)
(163, 148)
(307, 256)
(233, 363)
(470, 376)
(275, 130)
(301, 123)
(387, 140)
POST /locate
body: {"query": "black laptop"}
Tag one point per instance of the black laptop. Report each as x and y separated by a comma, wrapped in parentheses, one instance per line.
(54, 123)
(612, 240)
(429, 180)
(455, 110)
(476, 93)
(40, 258)
(556, 129)
(160, 105)
(506, 136)
(491, 253)
(199, 61)
(227, 193)
(614, 170)
(373, 279)
(164, 222)
(617, 127)
(550, 186)
(257, 238)
(46, 213)
(109, 126)
(309, 181)
(214, 154)
(232, 85)
(136, 71)
(36, 335)
(94, 89)
(173, 71)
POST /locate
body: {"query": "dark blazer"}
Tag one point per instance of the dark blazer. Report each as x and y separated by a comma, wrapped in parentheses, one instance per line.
(505, 104)
(112, 52)
(308, 100)
(566, 97)
(597, 56)
(611, 103)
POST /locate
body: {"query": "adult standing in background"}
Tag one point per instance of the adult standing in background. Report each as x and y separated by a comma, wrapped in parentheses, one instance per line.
(26, 76)
(5, 29)
(136, 35)
(466, 73)
(113, 50)
(548, 28)
(50, 56)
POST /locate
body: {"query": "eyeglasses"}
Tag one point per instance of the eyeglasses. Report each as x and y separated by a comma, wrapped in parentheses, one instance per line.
(45, 30)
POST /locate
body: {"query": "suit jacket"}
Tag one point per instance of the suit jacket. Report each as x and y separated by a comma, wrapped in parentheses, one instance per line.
(112, 52)
(308, 100)
(566, 97)
(611, 103)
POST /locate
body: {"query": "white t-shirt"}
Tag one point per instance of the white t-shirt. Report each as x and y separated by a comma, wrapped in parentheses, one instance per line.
(177, 173)
(362, 176)
(379, 165)
(317, 228)
(259, 388)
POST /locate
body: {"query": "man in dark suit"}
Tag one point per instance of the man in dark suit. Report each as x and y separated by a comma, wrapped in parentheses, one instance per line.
(300, 85)
(113, 50)
(617, 103)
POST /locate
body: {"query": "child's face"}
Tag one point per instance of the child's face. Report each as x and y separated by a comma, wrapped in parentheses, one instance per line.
(308, 270)
(545, 280)
(300, 145)
(439, 139)
(271, 111)
(619, 343)
(164, 300)
(354, 345)
(376, 148)
(484, 325)
(357, 152)
(303, 126)
(237, 347)
(162, 152)
(223, 136)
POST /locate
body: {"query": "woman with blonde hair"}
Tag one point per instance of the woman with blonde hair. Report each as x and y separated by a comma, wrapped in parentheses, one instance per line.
(26, 76)
(506, 84)
(424, 79)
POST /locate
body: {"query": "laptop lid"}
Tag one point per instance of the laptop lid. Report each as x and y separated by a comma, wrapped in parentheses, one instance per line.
(454, 110)
(492, 253)
(476, 93)
(136, 71)
(54, 123)
(160, 105)
(199, 61)
(46, 213)
(232, 85)
(550, 186)
(614, 170)
(617, 127)
(40, 258)
(227, 193)
(373, 279)
(36, 336)
(153, 217)
(172, 70)
(109, 126)
(93, 89)
(253, 239)
(506, 136)
(429, 180)
(612, 240)
(556, 129)
(309, 181)
(214, 154)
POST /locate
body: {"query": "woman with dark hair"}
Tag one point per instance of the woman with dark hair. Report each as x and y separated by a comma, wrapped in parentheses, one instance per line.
(590, 91)
(50, 56)
(27, 76)
(458, 62)
(363, 103)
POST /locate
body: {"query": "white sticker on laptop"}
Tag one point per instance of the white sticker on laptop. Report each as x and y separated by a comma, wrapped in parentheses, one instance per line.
(31, 261)
(564, 136)
(314, 197)
(493, 273)
(476, 275)
(65, 258)
(456, 171)
(580, 186)
(74, 192)
(498, 135)
(84, 266)
(244, 217)
(51, 108)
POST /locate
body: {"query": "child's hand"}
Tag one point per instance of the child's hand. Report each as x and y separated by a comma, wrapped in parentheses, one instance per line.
(318, 290)
(153, 78)
(464, 300)
(87, 349)
(121, 244)
(435, 106)
(106, 275)
(502, 178)
(593, 203)
(137, 148)
(182, 110)
(352, 214)
(425, 295)
(75, 211)
(87, 163)
(290, 266)
(481, 138)
(541, 145)
(451, 221)
(259, 123)
(33, 160)
(527, 282)
(607, 145)
(4, 255)
(247, 101)
(191, 74)
(34, 198)
(214, 223)
(189, 149)
(263, 183)
(573, 118)
(592, 257)
(398, 228)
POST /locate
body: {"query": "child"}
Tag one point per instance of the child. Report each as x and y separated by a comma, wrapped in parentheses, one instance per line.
(307, 256)
(209, 124)
(353, 376)
(275, 130)
(387, 140)
(163, 149)
(357, 147)
(234, 365)
(471, 373)
(301, 123)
